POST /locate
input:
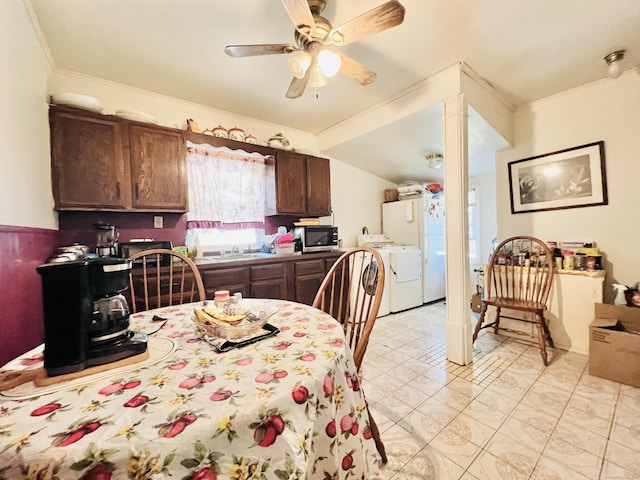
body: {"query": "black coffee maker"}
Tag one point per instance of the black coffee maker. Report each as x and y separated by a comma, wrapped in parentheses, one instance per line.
(86, 317)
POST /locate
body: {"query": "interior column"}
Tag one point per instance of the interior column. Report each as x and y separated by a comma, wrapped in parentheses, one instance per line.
(456, 185)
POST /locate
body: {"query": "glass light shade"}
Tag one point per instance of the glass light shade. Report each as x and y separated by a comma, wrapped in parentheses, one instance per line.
(329, 63)
(614, 69)
(299, 62)
(316, 78)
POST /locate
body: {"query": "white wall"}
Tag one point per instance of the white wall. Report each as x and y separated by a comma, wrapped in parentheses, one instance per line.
(25, 184)
(169, 111)
(485, 186)
(607, 110)
(356, 198)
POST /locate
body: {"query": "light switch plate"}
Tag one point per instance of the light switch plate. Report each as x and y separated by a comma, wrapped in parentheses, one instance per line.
(158, 222)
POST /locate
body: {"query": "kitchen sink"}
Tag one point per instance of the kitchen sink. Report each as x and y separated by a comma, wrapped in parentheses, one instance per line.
(232, 257)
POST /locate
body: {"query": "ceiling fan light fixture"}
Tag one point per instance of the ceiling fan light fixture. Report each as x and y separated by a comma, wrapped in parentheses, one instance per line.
(299, 62)
(434, 160)
(329, 63)
(316, 77)
(613, 62)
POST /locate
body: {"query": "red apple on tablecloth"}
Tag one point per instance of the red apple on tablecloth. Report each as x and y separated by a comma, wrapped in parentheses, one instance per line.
(189, 383)
(136, 401)
(330, 429)
(204, 473)
(300, 394)
(111, 389)
(46, 409)
(244, 361)
(347, 461)
(265, 377)
(346, 423)
(220, 395)
(98, 472)
(178, 365)
(280, 374)
(328, 386)
(307, 357)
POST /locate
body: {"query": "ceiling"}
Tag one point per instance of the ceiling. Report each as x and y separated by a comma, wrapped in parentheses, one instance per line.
(525, 50)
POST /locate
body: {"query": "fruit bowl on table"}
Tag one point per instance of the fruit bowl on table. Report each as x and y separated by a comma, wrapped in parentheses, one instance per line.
(231, 322)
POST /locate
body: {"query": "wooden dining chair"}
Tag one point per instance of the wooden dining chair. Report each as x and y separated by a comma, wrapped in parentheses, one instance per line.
(519, 278)
(162, 277)
(351, 293)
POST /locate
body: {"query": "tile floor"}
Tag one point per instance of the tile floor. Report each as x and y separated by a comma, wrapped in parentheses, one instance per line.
(505, 416)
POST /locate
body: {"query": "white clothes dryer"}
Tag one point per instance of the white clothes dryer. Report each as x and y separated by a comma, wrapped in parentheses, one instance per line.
(403, 272)
(384, 303)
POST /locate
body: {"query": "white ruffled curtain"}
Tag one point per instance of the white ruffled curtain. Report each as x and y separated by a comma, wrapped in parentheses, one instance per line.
(226, 188)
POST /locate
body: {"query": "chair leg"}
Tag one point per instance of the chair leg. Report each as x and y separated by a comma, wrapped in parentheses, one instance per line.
(541, 339)
(376, 436)
(496, 324)
(483, 310)
(547, 333)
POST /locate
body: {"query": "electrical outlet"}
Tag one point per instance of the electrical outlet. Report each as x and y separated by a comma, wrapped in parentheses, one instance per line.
(158, 222)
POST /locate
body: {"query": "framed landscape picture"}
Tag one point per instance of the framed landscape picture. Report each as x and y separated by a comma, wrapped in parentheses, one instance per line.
(570, 178)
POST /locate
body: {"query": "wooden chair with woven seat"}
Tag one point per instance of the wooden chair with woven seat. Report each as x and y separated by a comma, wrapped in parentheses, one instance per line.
(355, 308)
(162, 277)
(519, 277)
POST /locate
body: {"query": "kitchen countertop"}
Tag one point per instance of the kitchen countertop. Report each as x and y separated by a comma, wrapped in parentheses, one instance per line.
(260, 257)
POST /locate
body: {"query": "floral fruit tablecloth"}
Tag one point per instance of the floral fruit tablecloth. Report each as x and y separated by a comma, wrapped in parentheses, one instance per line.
(287, 407)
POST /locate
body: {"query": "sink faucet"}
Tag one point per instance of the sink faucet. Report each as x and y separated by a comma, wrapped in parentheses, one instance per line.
(236, 249)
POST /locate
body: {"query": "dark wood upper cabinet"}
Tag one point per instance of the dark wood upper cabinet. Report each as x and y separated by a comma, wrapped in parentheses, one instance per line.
(318, 187)
(291, 183)
(102, 162)
(88, 171)
(302, 185)
(158, 168)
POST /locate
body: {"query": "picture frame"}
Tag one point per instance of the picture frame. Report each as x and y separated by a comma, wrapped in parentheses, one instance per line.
(570, 178)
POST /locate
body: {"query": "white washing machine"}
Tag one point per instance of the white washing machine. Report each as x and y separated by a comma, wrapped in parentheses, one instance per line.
(403, 273)
(384, 303)
(405, 283)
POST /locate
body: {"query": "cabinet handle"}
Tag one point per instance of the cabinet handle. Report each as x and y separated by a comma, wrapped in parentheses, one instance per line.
(118, 190)
(137, 190)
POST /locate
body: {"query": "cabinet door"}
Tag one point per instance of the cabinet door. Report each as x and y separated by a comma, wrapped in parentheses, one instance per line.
(318, 187)
(234, 279)
(87, 166)
(268, 281)
(291, 183)
(308, 277)
(158, 169)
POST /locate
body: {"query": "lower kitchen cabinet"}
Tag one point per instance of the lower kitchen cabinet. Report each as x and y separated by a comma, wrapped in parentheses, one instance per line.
(235, 279)
(308, 275)
(288, 278)
(268, 280)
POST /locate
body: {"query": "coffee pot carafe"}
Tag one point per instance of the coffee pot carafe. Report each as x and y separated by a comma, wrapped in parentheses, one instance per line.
(107, 239)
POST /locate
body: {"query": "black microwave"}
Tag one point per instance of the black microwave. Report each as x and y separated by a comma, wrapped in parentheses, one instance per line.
(316, 238)
(126, 249)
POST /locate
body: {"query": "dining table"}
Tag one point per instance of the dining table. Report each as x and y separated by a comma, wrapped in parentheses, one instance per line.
(289, 406)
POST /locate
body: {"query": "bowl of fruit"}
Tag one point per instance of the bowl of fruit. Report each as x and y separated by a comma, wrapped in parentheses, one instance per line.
(231, 321)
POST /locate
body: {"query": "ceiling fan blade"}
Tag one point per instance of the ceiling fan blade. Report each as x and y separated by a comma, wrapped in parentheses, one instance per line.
(253, 50)
(387, 15)
(301, 16)
(297, 86)
(356, 71)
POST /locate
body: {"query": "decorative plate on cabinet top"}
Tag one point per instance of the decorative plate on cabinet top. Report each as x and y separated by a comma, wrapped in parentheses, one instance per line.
(135, 116)
(77, 100)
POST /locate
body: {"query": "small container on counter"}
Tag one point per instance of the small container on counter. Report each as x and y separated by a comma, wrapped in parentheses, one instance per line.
(221, 298)
(568, 262)
(580, 262)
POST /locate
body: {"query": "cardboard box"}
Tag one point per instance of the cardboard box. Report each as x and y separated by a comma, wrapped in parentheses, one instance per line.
(614, 344)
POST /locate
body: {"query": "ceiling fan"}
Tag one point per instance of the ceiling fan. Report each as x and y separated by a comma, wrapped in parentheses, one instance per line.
(312, 61)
